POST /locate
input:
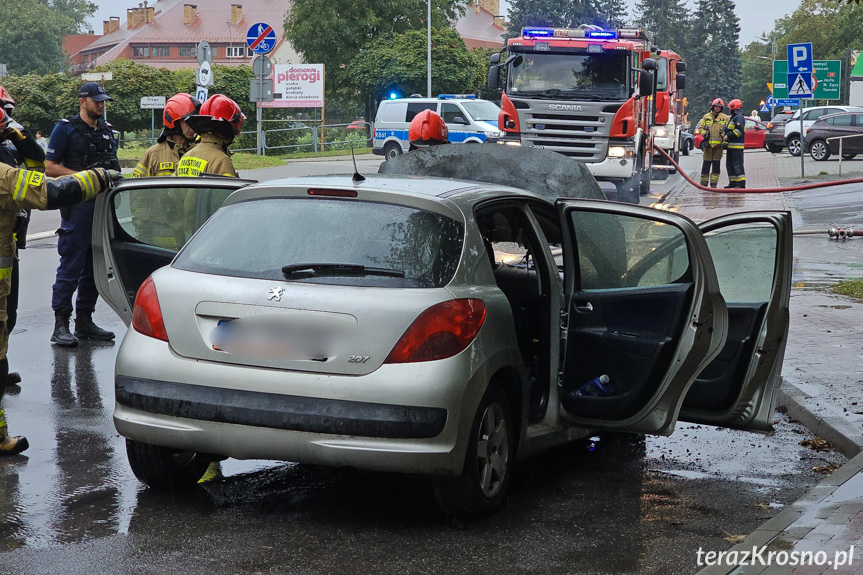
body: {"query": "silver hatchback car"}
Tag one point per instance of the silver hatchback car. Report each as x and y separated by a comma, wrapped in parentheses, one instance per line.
(426, 326)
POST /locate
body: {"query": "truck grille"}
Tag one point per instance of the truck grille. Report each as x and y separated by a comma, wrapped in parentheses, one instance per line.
(581, 134)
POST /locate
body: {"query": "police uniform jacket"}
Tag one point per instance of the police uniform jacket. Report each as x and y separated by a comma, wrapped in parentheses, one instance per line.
(209, 157)
(22, 188)
(712, 128)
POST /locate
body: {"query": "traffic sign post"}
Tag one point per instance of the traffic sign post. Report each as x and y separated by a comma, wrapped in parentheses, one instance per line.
(800, 74)
(153, 103)
(204, 74)
(261, 39)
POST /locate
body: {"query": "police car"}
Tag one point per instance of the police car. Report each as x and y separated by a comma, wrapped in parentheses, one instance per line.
(468, 119)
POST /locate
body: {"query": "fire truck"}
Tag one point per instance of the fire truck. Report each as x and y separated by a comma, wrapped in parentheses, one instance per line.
(669, 105)
(586, 93)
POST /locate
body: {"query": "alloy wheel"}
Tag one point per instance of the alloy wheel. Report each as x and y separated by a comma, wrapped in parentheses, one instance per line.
(492, 451)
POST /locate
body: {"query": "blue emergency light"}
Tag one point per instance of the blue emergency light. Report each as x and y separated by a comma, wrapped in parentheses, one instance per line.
(537, 32)
(600, 34)
(459, 96)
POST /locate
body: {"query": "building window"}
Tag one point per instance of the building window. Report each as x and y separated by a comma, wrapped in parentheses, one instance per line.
(140, 51)
(234, 51)
(249, 53)
(185, 51)
(161, 51)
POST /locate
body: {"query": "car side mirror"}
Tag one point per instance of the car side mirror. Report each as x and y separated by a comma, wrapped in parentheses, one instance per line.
(681, 82)
(460, 120)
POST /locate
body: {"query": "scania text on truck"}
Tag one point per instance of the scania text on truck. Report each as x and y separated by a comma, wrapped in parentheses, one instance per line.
(583, 92)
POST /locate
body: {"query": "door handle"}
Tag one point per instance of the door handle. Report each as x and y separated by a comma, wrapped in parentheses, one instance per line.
(584, 307)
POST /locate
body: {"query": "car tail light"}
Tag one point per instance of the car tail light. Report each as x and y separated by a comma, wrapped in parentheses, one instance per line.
(770, 126)
(441, 331)
(808, 130)
(147, 315)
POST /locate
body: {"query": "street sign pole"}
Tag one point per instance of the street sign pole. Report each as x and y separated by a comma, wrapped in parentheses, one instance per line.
(800, 83)
(261, 39)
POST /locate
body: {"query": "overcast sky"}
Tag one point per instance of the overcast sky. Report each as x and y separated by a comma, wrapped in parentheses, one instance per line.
(756, 16)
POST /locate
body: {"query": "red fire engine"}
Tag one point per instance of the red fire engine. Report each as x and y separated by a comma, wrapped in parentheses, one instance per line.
(585, 93)
(670, 82)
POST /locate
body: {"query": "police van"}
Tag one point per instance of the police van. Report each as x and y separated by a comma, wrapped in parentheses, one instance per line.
(468, 120)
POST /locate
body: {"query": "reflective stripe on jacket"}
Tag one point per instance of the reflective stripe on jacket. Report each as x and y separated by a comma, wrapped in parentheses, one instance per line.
(712, 127)
(209, 157)
(735, 129)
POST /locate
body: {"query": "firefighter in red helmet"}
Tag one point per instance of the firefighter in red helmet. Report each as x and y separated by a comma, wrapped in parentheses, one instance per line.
(220, 120)
(427, 129)
(711, 128)
(734, 137)
(175, 140)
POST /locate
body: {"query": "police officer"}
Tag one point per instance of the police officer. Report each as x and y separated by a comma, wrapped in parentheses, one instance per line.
(22, 188)
(22, 150)
(150, 212)
(77, 143)
(427, 129)
(711, 128)
(218, 123)
(735, 137)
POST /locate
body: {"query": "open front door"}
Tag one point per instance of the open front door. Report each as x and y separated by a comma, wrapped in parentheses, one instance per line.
(644, 308)
(140, 225)
(752, 253)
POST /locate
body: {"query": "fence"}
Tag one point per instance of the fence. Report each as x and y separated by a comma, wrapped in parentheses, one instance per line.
(841, 139)
(311, 138)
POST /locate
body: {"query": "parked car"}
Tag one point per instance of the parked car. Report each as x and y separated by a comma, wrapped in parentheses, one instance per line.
(687, 142)
(754, 137)
(774, 139)
(792, 126)
(428, 326)
(820, 142)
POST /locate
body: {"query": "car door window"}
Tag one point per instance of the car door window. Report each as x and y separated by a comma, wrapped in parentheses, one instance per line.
(166, 217)
(744, 280)
(449, 113)
(618, 252)
(815, 114)
(843, 120)
(416, 107)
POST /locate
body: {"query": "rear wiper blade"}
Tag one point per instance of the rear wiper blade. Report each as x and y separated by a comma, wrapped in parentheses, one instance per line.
(338, 269)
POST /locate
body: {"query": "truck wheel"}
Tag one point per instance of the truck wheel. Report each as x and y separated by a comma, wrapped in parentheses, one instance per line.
(391, 150)
(627, 191)
(164, 469)
(644, 182)
(480, 489)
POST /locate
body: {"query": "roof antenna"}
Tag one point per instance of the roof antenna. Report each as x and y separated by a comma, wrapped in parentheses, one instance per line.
(357, 177)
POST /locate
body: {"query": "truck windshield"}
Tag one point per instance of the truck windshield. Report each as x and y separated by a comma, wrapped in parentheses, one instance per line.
(570, 75)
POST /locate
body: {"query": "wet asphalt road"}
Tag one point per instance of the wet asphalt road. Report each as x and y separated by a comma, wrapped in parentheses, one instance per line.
(613, 504)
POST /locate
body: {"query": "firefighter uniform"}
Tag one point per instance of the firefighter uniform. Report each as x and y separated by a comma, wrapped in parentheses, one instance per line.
(151, 214)
(22, 188)
(210, 157)
(712, 127)
(735, 130)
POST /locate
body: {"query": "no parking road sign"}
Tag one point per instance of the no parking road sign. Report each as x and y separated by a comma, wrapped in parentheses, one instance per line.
(261, 38)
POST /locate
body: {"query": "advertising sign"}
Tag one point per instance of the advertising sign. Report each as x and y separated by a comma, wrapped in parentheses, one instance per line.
(297, 86)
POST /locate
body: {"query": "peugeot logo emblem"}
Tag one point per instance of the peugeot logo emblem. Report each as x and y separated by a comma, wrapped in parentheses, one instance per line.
(276, 293)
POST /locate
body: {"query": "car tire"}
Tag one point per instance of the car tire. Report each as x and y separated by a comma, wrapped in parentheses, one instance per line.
(774, 148)
(164, 469)
(793, 144)
(819, 150)
(686, 148)
(481, 488)
(392, 150)
(849, 156)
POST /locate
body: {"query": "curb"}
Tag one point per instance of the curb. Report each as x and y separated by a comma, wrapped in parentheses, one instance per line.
(844, 435)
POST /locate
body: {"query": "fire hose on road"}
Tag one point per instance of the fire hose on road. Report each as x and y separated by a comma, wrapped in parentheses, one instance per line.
(834, 233)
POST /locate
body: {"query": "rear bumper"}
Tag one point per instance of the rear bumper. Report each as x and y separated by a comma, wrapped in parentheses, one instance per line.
(277, 411)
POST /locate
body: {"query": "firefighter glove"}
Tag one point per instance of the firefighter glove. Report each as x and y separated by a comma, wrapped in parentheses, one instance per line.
(107, 178)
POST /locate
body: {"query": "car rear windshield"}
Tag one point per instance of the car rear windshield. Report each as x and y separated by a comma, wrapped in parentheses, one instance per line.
(400, 246)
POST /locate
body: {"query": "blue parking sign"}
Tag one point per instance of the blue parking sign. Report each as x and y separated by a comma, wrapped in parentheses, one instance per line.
(261, 38)
(800, 70)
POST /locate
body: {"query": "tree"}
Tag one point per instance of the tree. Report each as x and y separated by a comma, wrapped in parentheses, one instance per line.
(31, 37)
(757, 72)
(41, 101)
(666, 21)
(559, 13)
(714, 49)
(334, 32)
(398, 62)
(613, 13)
(75, 13)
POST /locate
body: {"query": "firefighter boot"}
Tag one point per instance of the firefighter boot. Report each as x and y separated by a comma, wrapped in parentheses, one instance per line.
(86, 329)
(62, 336)
(13, 378)
(10, 445)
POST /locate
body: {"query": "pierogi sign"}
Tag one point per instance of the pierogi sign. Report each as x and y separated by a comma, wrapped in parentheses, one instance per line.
(297, 86)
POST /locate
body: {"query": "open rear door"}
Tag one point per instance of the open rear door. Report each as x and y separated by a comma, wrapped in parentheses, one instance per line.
(140, 225)
(644, 308)
(752, 254)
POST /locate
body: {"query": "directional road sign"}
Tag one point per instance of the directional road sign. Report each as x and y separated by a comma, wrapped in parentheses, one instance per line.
(261, 38)
(825, 86)
(152, 102)
(774, 102)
